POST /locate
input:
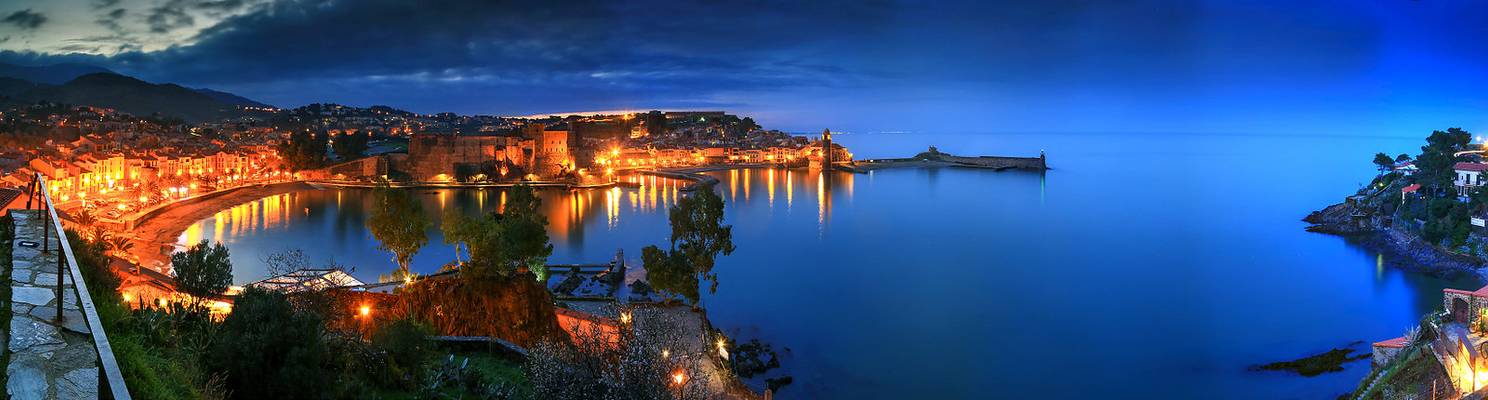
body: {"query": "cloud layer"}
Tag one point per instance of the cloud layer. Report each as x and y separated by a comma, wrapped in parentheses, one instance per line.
(800, 61)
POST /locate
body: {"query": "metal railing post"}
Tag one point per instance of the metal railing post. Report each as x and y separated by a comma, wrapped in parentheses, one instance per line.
(61, 281)
(46, 228)
(30, 192)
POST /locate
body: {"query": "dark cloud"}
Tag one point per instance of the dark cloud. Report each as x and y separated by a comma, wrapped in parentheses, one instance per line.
(25, 19)
(169, 16)
(111, 20)
(103, 4)
(515, 56)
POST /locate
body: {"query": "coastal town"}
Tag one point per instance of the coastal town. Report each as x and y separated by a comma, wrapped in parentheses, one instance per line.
(120, 181)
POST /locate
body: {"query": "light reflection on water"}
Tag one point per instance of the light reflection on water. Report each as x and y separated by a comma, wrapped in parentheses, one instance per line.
(1156, 266)
(317, 220)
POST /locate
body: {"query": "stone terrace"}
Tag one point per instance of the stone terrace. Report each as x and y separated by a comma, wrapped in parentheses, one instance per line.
(48, 360)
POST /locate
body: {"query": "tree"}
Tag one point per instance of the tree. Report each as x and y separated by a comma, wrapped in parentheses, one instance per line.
(203, 270)
(120, 244)
(304, 150)
(644, 364)
(506, 242)
(1383, 162)
(1402, 158)
(284, 262)
(698, 238)
(267, 349)
(398, 222)
(350, 146)
(1437, 158)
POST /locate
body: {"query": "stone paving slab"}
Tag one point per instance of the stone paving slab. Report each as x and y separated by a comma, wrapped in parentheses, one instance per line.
(48, 359)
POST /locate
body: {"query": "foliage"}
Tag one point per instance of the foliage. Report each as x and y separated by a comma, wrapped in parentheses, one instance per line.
(668, 270)
(350, 146)
(268, 349)
(304, 150)
(641, 366)
(407, 345)
(398, 222)
(1437, 157)
(698, 238)
(93, 263)
(203, 270)
(284, 262)
(1383, 161)
(478, 375)
(517, 308)
(501, 244)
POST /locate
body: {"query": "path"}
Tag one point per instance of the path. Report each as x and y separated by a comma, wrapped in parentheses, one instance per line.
(48, 360)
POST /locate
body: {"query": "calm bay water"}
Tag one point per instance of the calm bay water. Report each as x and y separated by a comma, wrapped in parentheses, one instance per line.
(1143, 265)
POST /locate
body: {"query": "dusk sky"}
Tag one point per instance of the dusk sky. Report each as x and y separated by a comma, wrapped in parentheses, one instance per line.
(1386, 67)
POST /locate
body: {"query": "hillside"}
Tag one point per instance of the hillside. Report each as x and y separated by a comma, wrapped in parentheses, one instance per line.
(230, 98)
(130, 95)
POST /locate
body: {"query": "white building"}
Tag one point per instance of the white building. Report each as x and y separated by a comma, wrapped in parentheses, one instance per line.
(1469, 177)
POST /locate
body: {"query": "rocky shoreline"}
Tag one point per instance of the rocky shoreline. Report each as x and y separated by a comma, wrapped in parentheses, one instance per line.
(1401, 248)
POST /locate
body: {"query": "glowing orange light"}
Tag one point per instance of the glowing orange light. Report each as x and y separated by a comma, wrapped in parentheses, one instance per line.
(365, 311)
(679, 378)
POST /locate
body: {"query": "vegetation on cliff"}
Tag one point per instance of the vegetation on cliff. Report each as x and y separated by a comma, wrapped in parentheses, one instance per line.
(1433, 213)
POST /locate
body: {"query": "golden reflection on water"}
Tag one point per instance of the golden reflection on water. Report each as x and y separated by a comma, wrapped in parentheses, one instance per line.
(567, 210)
(770, 186)
(790, 188)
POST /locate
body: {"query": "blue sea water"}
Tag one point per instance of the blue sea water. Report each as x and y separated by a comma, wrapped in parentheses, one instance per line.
(1141, 266)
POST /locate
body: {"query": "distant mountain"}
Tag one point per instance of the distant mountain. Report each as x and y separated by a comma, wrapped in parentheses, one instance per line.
(119, 92)
(230, 98)
(55, 74)
(133, 96)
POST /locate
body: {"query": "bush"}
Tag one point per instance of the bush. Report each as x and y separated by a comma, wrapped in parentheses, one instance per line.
(408, 348)
(267, 349)
(93, 264)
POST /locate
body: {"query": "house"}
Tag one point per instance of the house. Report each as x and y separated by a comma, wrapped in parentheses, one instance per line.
(1469, 177)
(1408, 191)
(1406, 168)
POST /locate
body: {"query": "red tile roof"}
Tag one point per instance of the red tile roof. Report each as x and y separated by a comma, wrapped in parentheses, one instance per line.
(1410, 189)
(1392, 343)
(1468, 166)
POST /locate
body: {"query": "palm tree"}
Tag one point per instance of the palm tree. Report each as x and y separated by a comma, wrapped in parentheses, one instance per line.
(88, 223)
(120, 244)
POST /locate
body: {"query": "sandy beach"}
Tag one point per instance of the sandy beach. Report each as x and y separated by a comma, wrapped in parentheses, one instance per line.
(154, 234)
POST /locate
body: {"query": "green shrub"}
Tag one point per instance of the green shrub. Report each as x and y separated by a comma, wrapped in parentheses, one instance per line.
(408, 348)
(267, 349)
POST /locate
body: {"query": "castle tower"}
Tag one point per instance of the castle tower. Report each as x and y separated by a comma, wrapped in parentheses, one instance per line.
(826, 142)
